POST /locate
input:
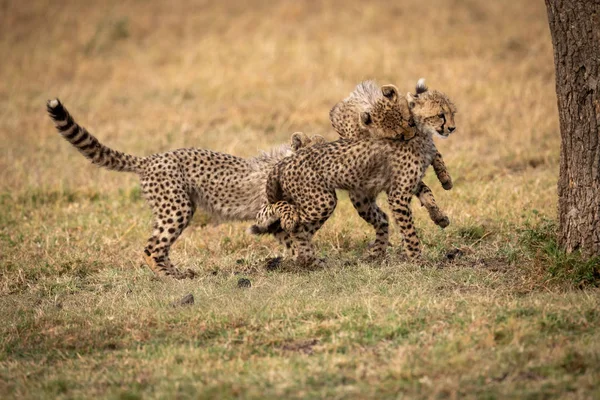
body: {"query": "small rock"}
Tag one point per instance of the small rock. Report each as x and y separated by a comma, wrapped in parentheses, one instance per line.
(244, 283)
(186, 300)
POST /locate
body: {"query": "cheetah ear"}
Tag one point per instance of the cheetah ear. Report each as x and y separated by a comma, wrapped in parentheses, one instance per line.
(365, 119)
(390, 92)
(317, 139)
(297, 141)
(411, 100)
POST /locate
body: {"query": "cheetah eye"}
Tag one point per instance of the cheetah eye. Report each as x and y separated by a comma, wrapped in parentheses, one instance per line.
(441, 115)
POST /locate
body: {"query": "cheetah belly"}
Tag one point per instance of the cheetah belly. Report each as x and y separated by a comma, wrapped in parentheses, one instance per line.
(221, 184)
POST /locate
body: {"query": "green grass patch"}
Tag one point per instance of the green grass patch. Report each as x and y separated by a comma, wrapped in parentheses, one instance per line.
(540, 243)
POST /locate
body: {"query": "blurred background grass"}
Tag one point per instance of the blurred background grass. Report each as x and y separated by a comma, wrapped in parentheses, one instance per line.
(148, 76)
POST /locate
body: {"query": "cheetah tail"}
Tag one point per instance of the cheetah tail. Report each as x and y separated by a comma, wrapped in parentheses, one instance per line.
(258, 229)
(267, 221)
(88, 145)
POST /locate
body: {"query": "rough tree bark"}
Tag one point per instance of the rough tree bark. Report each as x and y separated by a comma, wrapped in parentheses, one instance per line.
(575, 29)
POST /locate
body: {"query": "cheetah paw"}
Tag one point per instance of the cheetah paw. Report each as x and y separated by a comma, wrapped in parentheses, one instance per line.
(442, 222)
(374, 257)
(311, 264)
(318, 263)
(273, 263)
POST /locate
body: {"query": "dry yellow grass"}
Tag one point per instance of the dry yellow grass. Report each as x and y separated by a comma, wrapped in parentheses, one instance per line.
(80, 319)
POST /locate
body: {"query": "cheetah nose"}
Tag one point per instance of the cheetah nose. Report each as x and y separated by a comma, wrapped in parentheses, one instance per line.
(451, 128)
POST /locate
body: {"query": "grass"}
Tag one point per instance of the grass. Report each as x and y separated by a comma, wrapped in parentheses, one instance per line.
(496, 310)
(541, 244)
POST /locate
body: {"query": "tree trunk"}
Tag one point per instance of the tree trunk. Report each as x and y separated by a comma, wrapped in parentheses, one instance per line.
(575, 29)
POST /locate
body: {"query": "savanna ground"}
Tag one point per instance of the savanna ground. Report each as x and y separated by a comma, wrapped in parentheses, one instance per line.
(510, 316)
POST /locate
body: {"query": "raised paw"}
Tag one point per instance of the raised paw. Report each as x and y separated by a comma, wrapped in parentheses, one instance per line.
(438, 217)
(442, 222)
(447, 184)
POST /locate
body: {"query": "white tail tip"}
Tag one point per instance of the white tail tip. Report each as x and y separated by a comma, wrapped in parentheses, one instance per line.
(421, 87)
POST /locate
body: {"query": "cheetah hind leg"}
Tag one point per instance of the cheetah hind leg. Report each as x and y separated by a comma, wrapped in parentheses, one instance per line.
(367, 208)
(168, 224)
(308, 225)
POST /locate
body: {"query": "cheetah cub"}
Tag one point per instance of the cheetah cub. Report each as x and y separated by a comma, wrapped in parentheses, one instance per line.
(382, 115)
(177, 182)
(393, 118)
(367, 97)
(301, 188)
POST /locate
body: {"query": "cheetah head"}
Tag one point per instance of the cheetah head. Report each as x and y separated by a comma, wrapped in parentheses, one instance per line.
(389, 117)
(433, 112)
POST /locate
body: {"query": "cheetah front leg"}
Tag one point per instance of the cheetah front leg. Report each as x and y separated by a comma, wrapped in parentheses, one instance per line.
(441, 172)
(428, 201)
(399, 202)
(369, 211)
